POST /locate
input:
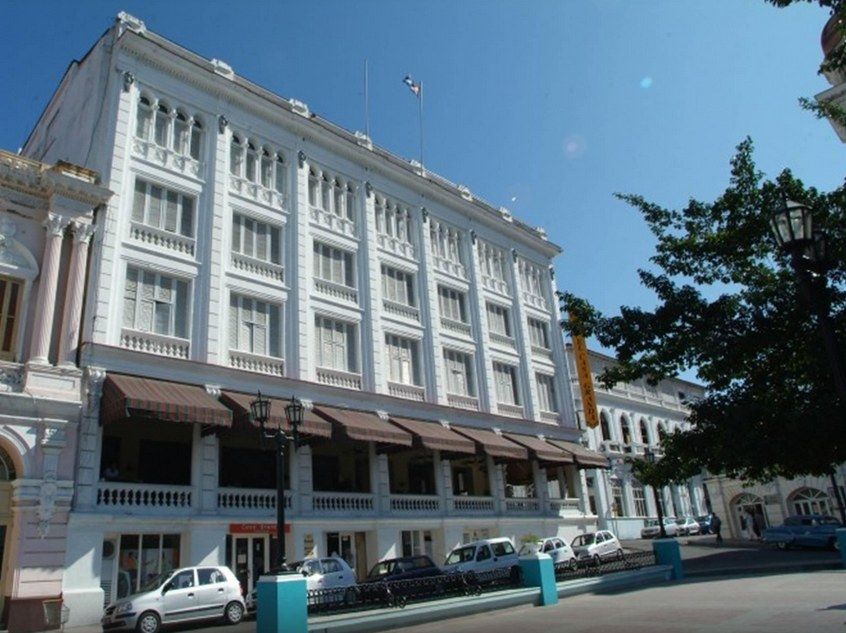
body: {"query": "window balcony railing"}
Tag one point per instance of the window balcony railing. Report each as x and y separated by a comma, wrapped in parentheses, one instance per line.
(338, 378)
(502, 339)
(333, 222)
(536, 301)
(498, 286)
(511, 410)
(549, 416)
(473, 505)
(401, 310)
(256, 363)
(167, 158)
(155, 343)
(258, 268)
(460, 401)
(560, 507)
(456, 326)
(538, 350)
(159, 238)
(257, 501)
(456, 269)
(396, 246)
(424, 505)
(611, 446)
(256, 192)
(522, 505)
(409, 392)
(336, 291)
(131, 498)
(342, 503)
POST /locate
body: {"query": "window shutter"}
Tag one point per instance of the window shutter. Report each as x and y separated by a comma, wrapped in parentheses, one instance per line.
(130, 295)
(195, 141)
(181, 316)
(261, 241)
(249, 237)
(154, 214)
(233, 321)
(236, 233)
(275, 348)
(138, 200)
(171, 211)
(275, 245)
(245, 310)
(187, 228)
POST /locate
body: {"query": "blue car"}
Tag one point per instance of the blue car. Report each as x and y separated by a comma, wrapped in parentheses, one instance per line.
(808, 530)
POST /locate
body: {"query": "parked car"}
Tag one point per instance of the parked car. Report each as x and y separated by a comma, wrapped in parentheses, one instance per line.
(403, 568)
(687, 526)
(811, 530)
(182, 595)
(651, 529)
(597, 546)
(704, 523)
(556, 548)
(482, 556)
(320, 573)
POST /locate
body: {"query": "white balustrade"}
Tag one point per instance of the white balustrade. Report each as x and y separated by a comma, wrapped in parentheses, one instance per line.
(258, 268)
(11, 376)
(342, 503)
(396, 246)
(130, 497)
(333, 222)
(610, 446)
(338, 378)
(537, 350)
(336, 291)
(473, 505)
(463, 402)
(456, 326)
(549, 416)
(167, 158)
(511, 410)
(401, 310)
(522, 505)
(258, 193)
(249, 500)
(502, 339)
(496, 285)
(563, 506)
(534, 300)
(162, 239)
(409, 392)
(256, 363)
(456, 269)
(155, 343)
(415, 504)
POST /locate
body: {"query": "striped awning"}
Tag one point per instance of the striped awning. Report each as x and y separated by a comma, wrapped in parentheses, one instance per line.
(492, 444)
(364, 426)
(126, 397)
(239, 403)
(542, 450)
(435, 436)
(585, 457)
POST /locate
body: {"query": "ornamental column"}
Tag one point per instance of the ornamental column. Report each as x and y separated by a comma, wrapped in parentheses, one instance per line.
(82, 233)
(45, 307)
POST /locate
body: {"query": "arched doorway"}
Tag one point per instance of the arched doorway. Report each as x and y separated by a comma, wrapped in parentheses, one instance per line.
(748, 508)
(809, 501)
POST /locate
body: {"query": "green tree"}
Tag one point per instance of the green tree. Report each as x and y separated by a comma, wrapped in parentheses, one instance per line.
(728, 307)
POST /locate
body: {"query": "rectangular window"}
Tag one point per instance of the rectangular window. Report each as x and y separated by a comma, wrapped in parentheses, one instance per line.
(336, 344)
(505, 377)
(539, 333)
(617, 498)
(256, 239)
(142, 558)
(402, 360)
(163, 208)
(153, 302)
(499, 321)
(255, 326)
(333, 264)
(10, 299)
(639, 498)
(452, 304)
(459, 373)
(397, 286)
(546, 393)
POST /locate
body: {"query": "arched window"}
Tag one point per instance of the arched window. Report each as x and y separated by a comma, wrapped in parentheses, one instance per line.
(810, 501)
(196, 136)
(625, 427)
(644, 431)
(162, 125)
(605, 426)
(7, 466)
(252, 160)
(280, 173)
(266, 168)
(236, 155)
(181, 134)
(144, 120)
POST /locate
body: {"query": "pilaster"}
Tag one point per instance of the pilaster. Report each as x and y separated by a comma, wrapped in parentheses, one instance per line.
(477, 307)
(302, 317)
(374, 375)
(432, 351)
(304, 480)
(82, 233)
(528, 385)
(45, 306)
(90, 439)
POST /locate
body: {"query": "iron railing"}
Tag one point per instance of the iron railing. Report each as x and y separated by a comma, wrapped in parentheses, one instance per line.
(587, 567)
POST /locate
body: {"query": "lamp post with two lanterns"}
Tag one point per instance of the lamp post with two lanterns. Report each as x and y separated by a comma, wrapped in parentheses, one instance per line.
(792, 224)
(260, 412)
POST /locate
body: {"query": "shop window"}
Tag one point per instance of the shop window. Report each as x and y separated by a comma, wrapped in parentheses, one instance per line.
(143, 559)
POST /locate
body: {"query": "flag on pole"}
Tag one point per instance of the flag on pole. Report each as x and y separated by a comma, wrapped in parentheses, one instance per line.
(415, 88)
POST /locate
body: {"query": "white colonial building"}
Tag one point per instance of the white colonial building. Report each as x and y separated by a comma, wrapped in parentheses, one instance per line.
(251, 245)
(632, 418)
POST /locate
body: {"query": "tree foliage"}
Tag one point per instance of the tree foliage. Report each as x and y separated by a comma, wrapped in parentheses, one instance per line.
(728, 307)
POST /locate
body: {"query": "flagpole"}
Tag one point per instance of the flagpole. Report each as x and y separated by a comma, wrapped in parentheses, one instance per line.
(366, 101)
(420, 119)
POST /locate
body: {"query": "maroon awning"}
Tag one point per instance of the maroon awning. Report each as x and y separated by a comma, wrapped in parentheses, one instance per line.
(435, 436)
(492, 444)
(585, 457)
(127, 397)
(312, 424)
(543, 451)
(364, 426)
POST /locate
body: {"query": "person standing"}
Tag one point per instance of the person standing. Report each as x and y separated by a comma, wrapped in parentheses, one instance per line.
(716, 526)
(744, 525)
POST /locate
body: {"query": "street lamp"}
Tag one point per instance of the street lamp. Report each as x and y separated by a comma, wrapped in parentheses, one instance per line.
(792, 224)
(651, 458)
(260, 411)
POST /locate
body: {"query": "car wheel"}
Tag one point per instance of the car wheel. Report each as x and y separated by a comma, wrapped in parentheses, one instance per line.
(834, 544)
(783, 545)
(597, 561)
(148, 622)
(573, 565)
(233, 613)
(620, 555)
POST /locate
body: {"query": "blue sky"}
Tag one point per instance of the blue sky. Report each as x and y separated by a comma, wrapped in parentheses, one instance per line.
(547, 108)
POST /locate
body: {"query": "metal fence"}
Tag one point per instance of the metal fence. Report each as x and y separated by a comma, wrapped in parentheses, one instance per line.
(587, 568)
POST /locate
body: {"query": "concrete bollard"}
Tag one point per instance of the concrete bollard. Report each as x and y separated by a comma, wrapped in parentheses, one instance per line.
(841, 544)
(667, 552)
(282, 604)
(538, 571)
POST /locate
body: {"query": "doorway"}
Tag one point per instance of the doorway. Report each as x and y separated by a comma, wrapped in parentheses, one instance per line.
(748, 509)
(249, 558)
(352, 547)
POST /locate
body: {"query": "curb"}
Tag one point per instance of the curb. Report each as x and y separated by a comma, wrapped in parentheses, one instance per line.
(763, 570)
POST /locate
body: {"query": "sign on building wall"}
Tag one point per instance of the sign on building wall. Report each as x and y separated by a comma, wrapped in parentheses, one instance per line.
(580, 354)
(256, 528)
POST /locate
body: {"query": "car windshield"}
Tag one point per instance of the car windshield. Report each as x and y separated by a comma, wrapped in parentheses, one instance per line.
(382, 569)
(651, 523)
(461, 555)
(155, 582)
(680, 521)
(584, 539)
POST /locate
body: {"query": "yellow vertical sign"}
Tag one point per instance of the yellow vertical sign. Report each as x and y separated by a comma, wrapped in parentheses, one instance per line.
(580, 354)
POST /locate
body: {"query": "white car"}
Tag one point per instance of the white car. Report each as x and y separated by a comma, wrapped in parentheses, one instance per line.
(181, 595)
(481, 556)
(687, 526)
(320, 573)
(597, 546)
(556, 548)
(652, 530)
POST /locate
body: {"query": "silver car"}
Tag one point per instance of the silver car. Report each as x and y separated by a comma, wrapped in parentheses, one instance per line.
(597, 546)
(556, 548)
(181, 595)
